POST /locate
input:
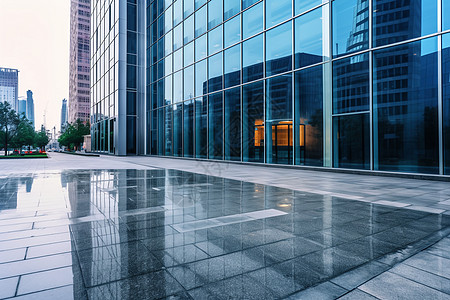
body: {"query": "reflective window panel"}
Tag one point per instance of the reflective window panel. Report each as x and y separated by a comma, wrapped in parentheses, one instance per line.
(253, 122)
(309, 116)
(215, 40)
(351, 78)
(397, 21)
(446, 99)
(232, 116)
(405, 108)
(277, 11)
(201, 21)
(232, 66)
(167, 128)
(311, 37)
(252, 58)
(178, 129)
(303, 5)
(279, 120)
(248, 3)
(189, 83)
(279, 49)
(188, 128)
(232, 31)
(201, 78)
(201, 47)
(201, 127)
(351, 140)
(253, 20)
(215, 70)
(231, 8)
(215, 130)
(445, 15)
(350, 26)
(215, 13)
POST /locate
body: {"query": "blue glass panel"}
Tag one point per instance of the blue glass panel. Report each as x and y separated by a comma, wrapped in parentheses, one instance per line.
(199, 3)
(201, 47)
(231, 8)
(201, 78)
(188, 128)
(253, 122)
(177, 12)
(215, 40)
(446, 99)
(351, 84)
(160, 95)
(189, 83)
(201, 127)
(131, 135)
(248, 3)
(253, 20)
(405, 97)
(188, 29)
(277, 11)
(351, 141)
(303, 5)
(178, 37)
(350, 26)
(232, 116)
(154, 132)
(215, 132)
(215, 71)
(201, 22)
(168, 43)
(252, 58)
(308, 38)
(279, 49)
(178, 129)
(168, 21)
(215, 13)
(188, 54)
(445, 14)
(232, 66)
(403, 20)
(161, 132)
(168, 118)
(279, 135)
(167, 95)
(178, 86)
(178, 60)
(232, 31)
(309, 116)
(188, 7)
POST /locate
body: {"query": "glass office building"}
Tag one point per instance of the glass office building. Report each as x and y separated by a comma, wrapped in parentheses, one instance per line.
(356, 84)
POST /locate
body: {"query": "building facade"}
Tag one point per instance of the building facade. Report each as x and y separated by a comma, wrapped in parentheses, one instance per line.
(22, 106)
(30, 107)
(64, 115)
(356, 84)
(79, 82)
(9, 87)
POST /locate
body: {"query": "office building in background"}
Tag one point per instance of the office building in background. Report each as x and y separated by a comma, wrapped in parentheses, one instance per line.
(22, 106)
(352, 84)
(30, 107)
(79, 82)
(9, 87)
(64, 115)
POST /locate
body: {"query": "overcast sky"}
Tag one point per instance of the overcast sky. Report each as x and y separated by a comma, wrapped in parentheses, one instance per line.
(34, 38)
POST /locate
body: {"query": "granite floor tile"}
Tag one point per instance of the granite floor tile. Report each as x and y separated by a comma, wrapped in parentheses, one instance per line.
(357, 295)
(8, 287)
(323, 291)
(45, 280)
(12, 255)
(431, 263)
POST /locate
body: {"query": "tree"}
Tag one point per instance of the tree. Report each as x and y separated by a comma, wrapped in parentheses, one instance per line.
(74, 134)
(9, 123)
(25, 134)
(41, 139)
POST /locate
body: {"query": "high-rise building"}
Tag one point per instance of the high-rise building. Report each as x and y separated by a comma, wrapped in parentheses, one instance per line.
(353, 84)
(22, 106)
(64, 115)
(79, 82)
(30, 107)
(9, 87)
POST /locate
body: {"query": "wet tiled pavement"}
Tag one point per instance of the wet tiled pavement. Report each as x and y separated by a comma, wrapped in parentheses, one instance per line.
(156, 233)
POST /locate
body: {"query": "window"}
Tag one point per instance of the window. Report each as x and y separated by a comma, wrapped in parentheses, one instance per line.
(253, 122)
(303, 5)
(215, 126)
(215, 13)
(277, 11)
(232, 31)
(232, 65)
(279, 49)
(252, 58)
(215, 71)
(232, 134)
(253, 20)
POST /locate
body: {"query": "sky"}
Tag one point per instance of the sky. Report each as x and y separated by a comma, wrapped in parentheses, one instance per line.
(34, 38)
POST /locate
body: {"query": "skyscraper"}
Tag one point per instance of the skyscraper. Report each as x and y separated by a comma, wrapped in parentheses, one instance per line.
(353, 84)
(9, 87)
(30, 107)
(22, 106)
(64, 115)
(79, 82)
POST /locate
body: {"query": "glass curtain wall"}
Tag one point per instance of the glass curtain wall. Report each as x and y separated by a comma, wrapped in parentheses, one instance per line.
(308, 83)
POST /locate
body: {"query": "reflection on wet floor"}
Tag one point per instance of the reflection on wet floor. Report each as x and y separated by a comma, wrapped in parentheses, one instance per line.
(144, 234)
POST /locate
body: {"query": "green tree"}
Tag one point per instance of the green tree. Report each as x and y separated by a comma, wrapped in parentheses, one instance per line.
(74, 134)
(25, 134)
(9, 123)
(41, 139)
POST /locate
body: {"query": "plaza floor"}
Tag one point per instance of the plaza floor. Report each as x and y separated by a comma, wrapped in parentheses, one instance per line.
(74, 227)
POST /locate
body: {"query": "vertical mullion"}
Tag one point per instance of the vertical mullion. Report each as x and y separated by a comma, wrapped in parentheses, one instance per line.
(440, 92)
(371, 124)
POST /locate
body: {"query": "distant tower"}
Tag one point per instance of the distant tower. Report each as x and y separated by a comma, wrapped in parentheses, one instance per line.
(9, 87)
(79, 77)
(30, 107)
(64, 115)
(22, 106)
